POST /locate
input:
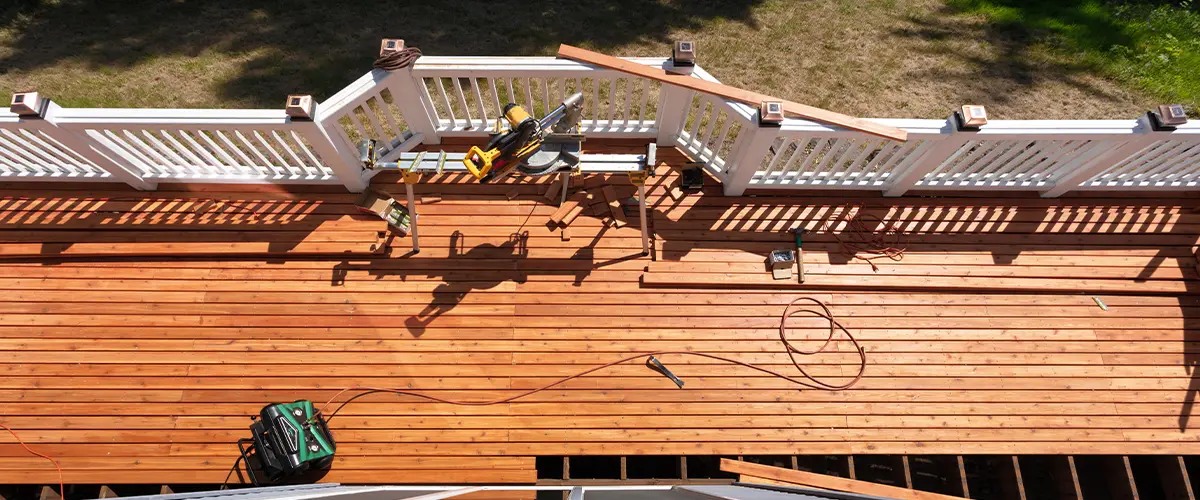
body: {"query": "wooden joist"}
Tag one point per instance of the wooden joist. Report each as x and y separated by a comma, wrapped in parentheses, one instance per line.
(731, 93)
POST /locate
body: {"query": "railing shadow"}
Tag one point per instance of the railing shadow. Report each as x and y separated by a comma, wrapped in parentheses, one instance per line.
(1004, 228)
(50, 225)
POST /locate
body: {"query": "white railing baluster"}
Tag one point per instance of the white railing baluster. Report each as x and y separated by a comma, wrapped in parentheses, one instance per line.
(717, 146)
(627, 97)
(496, 98)
(292, 154)
(209, 161)
(23, 156)
(645, 97)
(266, 164)
(446, 102)
(279, 167)
(373, 120)
(784, 147)
(856, 165)
(236, 150)
(713, 114)
(462, 101)
(595, 102)
(483, 116)
(795, 163)
(837, 160)
(57, 153)
(173, 161)
(612, 101)
(361, 130)
(529, 96)
(313, 161)
(151, 151)
(132, 148)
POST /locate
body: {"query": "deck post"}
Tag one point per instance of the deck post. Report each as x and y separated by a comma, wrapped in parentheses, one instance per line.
(408, 96)
(1143, 136)
(752, 145)
(672, 112)
(93, 151)
(340, 158)
(933, 158)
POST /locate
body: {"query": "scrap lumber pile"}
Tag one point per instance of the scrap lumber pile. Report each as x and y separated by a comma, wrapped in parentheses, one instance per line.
(111, 221)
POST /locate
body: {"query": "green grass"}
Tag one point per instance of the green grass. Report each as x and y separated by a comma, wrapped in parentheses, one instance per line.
(875, 58)
(1152, 47)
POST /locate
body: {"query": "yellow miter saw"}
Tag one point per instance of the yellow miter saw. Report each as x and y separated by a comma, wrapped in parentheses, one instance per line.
(532, 147)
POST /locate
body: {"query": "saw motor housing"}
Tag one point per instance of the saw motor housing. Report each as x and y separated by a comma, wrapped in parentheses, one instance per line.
(287, 439)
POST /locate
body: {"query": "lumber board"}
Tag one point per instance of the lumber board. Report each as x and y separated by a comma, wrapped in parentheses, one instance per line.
(732, 93)
(789, 476)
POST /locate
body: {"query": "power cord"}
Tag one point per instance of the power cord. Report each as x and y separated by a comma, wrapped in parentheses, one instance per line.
(821, 310)
(61, 490)
(885, 240)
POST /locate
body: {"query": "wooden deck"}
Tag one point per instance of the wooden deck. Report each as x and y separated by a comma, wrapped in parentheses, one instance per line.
(986, 337)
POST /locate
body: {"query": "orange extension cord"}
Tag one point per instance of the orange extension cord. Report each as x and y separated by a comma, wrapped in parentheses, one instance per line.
(806, 380)
(885, 242)
(61, 491)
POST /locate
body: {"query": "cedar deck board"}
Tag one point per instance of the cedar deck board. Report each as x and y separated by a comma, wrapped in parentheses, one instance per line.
(162, 358)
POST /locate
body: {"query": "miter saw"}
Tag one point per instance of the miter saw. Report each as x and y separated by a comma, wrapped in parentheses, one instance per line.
(532, 147)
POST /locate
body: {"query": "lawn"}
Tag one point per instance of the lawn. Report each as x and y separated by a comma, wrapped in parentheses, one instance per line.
(875, 58)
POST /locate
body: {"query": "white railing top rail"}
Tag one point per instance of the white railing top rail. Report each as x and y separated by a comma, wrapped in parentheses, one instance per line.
(914, 126)
(445, 65)
(172, 117)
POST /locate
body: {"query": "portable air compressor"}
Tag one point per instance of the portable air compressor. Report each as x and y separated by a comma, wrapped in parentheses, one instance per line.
(287, 439)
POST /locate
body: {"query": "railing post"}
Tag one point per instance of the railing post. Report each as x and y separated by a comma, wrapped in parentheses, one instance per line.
(933, 157)
(752, 145)
(1143, 137)
(672, 108)
(93, 151)
(407, 95)
(344, 163)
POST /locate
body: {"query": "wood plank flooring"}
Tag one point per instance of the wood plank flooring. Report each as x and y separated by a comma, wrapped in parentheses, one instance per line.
(985, 338)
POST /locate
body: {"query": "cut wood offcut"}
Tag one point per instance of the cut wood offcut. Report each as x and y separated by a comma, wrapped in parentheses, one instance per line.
(732, 93)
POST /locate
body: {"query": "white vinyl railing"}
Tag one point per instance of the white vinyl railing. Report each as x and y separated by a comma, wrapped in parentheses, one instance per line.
(463, 97)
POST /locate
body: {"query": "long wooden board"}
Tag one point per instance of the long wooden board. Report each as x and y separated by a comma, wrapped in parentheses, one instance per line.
(733, 93)
(749, 471)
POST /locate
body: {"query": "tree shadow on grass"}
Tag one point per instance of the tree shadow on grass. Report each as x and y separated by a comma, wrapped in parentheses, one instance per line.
(1016, 45)
(318, 47)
